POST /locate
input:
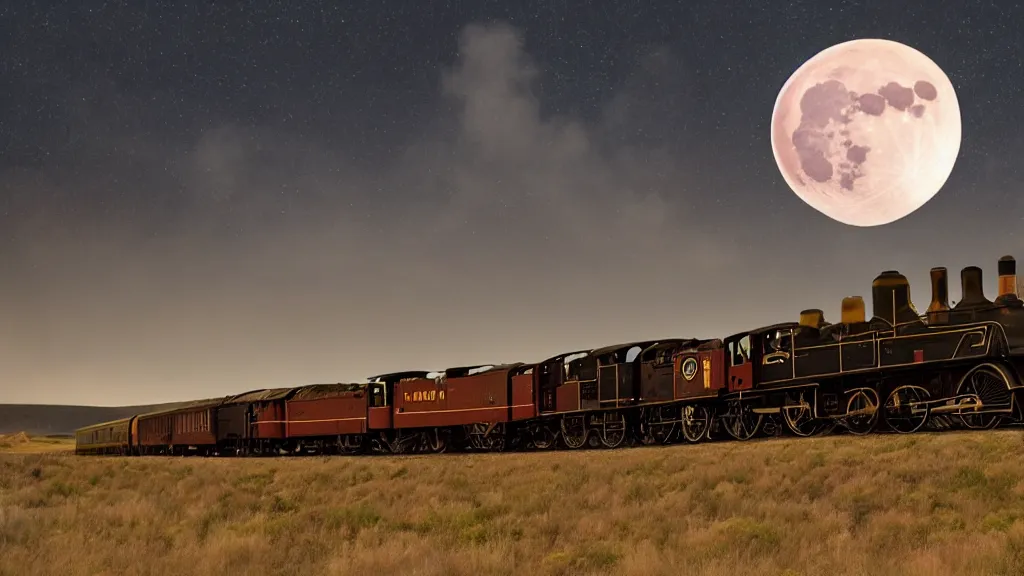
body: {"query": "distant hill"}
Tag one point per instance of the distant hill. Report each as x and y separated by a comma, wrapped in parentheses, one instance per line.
(42, 419)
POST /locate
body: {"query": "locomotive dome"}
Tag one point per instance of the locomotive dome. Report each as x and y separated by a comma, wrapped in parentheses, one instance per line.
(890, 295)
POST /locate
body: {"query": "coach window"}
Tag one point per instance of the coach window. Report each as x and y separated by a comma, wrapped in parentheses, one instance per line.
(779, 343)
(377, 398)
(739, 350)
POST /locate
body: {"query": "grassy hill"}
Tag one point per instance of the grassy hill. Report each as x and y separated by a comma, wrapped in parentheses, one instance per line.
(947, 503)
(40, 419)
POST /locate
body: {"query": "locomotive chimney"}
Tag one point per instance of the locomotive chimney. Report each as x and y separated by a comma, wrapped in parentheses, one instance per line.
(890, 295)
(938, 310)
(1008, 283)
(813, 318)
(1007, 278)
(973, 295)
(853, 310)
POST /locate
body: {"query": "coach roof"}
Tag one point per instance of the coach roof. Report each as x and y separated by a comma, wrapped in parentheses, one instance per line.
(188, 407)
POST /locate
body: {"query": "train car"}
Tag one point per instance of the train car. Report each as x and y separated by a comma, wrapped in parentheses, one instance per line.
(189, 429)
(253, 422)
(107, 438)
(657, 369)
(558, 383)
(609, 395)
(900, 367)
(470, 407)
(556, 392)
(699, 380)
(638, 380)
(328, 418)
(606, 382)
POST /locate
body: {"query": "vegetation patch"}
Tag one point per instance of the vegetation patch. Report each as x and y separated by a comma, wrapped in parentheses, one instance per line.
(880, 505)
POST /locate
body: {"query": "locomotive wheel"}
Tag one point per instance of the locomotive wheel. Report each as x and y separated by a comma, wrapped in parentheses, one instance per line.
(612, 432)
(350, 445)
(542, 436)
(800, 420)
(433, 442)
(992, 387)
(381, 445)
(574, 432)
(696, 420)
(658, 425)
(498, 438)
(476, 435)
(404, 443)
(906, 410)
(863, 403)
(481, 439)
(741, 422)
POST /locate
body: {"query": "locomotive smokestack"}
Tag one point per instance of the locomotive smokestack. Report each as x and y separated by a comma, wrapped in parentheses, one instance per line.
(938, 310)
(890, 295)
(853, 310)
(1008, 283)
(973, 292)
(813, 318)
(1007, 276)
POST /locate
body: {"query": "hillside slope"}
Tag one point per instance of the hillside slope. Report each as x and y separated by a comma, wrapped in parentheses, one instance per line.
(41, 419)
(885, 505)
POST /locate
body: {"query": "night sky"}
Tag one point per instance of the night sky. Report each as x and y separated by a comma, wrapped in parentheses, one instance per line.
(214, 197)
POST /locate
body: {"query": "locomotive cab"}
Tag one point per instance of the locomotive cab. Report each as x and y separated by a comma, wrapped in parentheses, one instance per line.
(378, 395)
(740, 357)
(618, 373)
(777, 354)
(381, 389)
(558, 382)
(657, 369)
(769, 353)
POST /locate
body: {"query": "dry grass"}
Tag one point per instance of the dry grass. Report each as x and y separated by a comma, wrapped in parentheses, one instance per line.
(883, 505)
(22, 443)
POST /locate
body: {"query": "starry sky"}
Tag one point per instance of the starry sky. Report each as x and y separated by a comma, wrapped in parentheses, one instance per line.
(202, 198)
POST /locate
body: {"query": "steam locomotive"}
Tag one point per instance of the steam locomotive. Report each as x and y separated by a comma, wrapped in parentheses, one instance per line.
(898, 370)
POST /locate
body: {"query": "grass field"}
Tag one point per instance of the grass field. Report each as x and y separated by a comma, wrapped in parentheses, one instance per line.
(950, 503)
(24, 444)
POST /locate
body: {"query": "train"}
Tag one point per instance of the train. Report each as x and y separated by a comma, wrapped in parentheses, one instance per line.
(898, 371)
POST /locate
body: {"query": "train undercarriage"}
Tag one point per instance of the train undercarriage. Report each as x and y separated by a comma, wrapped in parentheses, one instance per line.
(978, 397)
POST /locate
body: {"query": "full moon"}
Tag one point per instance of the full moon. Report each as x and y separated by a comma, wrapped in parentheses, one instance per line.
(867, 131)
